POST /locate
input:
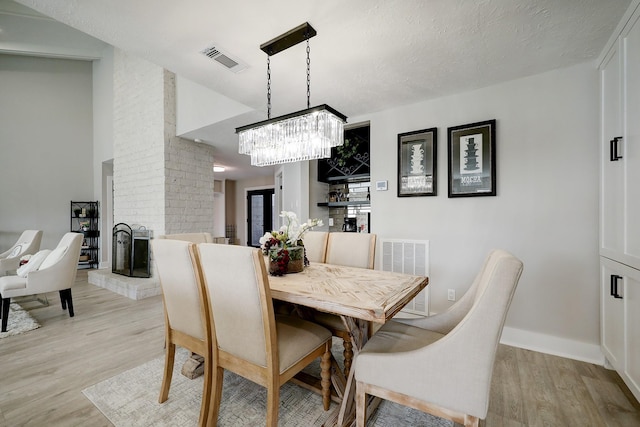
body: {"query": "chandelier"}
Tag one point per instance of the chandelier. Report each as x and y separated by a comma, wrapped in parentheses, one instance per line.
(303, 135)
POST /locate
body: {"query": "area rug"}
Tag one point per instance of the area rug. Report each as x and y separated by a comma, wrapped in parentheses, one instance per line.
(130, 399)
(20, 321)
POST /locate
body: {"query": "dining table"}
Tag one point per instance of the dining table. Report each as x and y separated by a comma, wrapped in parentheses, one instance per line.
(361, 297)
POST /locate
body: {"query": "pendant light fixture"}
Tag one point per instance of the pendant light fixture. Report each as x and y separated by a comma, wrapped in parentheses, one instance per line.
(303, 135)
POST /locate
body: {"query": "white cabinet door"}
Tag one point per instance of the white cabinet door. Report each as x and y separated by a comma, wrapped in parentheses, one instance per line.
(631, 149)
(611, 314)
(612, 195)
(632, 328)
(620, 320)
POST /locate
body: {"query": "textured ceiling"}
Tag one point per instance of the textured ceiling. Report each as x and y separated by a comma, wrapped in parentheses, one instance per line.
(368, 55)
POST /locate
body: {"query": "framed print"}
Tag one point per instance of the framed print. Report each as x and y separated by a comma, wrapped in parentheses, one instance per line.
(417, 163)
(472, 159)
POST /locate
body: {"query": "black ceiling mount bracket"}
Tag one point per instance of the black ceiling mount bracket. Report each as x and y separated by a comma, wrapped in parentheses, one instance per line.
(290, 38)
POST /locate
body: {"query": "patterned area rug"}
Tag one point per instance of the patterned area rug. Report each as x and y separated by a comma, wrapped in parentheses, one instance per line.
(130, 399)
(20, 321)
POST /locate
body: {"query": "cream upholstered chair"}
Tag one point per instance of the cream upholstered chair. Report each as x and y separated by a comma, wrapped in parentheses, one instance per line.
(186, 311)
(442, 364)
(315, 245)
(352, 250)
(248, 338)
(27, 244)
(57, 272)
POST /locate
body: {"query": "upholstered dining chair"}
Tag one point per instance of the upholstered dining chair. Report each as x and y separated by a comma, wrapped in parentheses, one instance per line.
(186, 312)
(442, 364)
(57, 272)
(352, 250)
(315, 245)
(27, 244)
(248, 338)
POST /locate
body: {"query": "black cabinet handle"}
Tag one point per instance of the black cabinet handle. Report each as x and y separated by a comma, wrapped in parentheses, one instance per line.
(613, 149)
(614, 286)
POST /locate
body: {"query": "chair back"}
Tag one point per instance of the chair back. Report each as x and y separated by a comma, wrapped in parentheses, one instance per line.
(315, 245)
(203, 237)
(240, 301)
(29, 243)
(183, 294)
(62, 274)
(479, 332)
(351, 249)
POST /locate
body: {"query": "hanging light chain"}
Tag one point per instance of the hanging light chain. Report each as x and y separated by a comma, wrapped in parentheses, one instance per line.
(308, 75)
(268, 87)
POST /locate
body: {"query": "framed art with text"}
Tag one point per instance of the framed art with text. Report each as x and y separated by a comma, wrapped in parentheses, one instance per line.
(472, 159)
(417, 163)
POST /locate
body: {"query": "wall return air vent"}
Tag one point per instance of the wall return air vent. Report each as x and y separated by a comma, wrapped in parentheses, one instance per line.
(224, 58)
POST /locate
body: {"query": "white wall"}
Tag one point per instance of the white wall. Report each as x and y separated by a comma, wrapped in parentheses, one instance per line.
(199, 106)
(46, 152)
(545, 211)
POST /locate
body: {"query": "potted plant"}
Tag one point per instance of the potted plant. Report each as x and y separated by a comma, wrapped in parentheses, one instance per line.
(285, 247)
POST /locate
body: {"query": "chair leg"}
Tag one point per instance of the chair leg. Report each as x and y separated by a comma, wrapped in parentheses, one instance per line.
(273, 404)
(67, 301)
(361, 405)
(169, 358)
(206, 393)
(325, 375)
(217, 377)
(5, 313)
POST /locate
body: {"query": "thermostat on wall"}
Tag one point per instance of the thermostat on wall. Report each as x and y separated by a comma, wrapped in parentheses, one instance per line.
(381, 185)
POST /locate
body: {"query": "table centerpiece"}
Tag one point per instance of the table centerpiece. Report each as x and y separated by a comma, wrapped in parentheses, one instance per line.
(285, 247)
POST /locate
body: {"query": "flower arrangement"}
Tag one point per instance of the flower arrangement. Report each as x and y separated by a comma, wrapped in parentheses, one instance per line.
(277, 243)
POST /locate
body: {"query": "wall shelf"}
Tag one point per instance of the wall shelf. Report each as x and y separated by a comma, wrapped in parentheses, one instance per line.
(345, 203)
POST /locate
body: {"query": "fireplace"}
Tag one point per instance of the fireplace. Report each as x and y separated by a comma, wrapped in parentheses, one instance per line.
(131, 251)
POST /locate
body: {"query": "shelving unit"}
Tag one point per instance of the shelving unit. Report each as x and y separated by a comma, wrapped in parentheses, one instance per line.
(84, 219)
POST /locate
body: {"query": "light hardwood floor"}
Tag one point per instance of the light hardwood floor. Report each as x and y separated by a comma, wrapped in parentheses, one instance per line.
(43, 372)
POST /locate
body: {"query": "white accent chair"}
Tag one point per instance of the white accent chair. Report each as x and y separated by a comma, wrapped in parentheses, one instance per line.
(27, 244)
(315, 245)
(442, 364)
(352, 250)
(186, 312)
(248, 338)
(56, 273)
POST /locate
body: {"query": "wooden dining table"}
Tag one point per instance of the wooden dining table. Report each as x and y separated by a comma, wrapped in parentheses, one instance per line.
(361, 297)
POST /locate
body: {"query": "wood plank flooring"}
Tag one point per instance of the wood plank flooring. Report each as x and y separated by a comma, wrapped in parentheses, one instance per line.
(43, 372)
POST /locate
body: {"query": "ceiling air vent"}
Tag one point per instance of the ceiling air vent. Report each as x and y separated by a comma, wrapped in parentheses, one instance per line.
(217, 54)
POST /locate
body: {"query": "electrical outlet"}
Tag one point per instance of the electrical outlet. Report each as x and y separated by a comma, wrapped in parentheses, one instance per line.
(330, 222)
(451, 294)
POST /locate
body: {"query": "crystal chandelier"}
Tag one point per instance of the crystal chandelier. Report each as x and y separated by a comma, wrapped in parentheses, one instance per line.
(303, 135)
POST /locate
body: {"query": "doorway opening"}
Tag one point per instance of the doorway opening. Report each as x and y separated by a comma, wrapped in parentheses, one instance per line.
(260, 208)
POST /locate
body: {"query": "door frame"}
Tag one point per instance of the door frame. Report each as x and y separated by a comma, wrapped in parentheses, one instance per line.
(246, 210)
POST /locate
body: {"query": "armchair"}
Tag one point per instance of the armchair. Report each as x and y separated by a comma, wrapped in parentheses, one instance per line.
(27, 244)
(56, 273)
(442, 364)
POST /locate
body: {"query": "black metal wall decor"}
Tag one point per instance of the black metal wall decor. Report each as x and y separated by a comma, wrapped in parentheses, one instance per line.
(350, 160)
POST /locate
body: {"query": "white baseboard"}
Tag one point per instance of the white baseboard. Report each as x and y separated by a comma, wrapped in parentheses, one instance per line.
(549, 344)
